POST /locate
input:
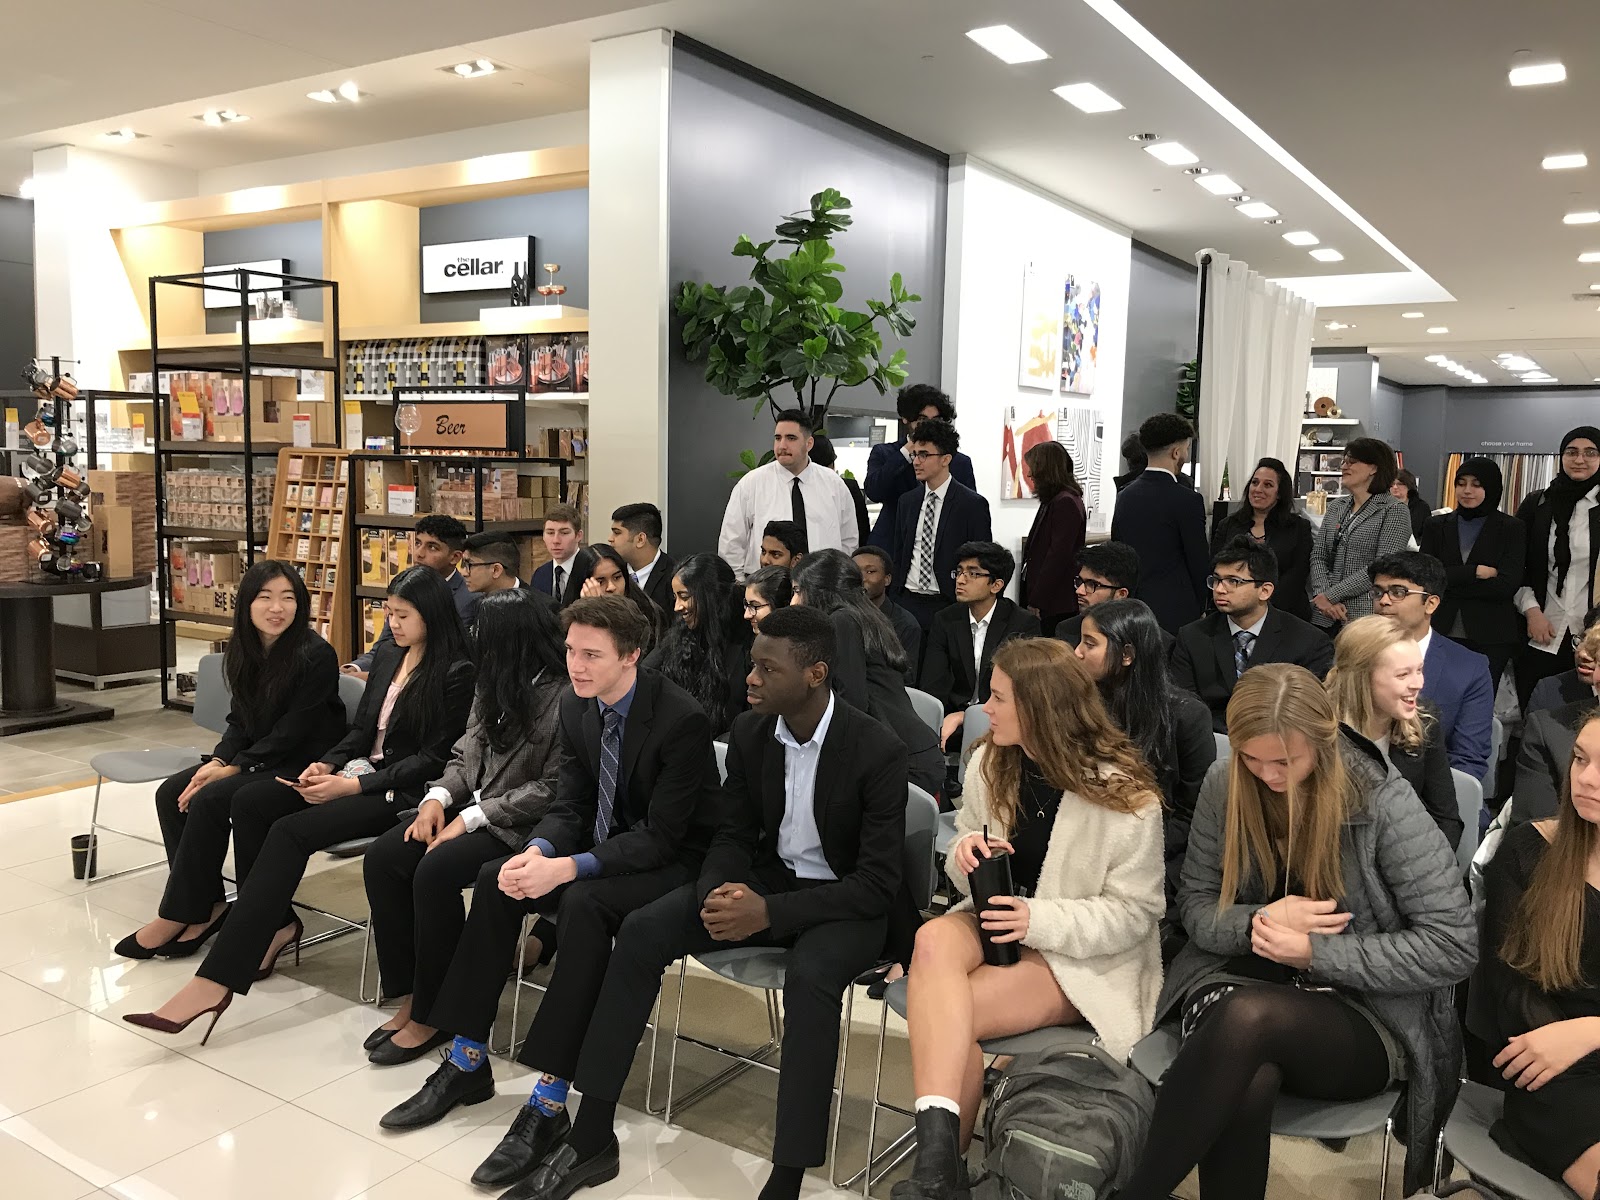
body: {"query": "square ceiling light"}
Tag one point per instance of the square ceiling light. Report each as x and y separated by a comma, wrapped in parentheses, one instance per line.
(1174, 154)
(1301, 237)
(1006, 44)
(1086, 97)
(1218, 185)
(1327, 254)
(1581, 218)
(1256, 208)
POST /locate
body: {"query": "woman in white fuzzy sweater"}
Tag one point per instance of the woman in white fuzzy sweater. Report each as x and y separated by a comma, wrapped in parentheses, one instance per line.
(1062, 790)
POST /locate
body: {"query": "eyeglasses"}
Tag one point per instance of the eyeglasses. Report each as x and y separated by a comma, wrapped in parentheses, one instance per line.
(919, 455)
(1092, 585)
(1579, 452)
(1229, 581)
(753, 606)
(963, 573)
(468, 564)
(1396, 592)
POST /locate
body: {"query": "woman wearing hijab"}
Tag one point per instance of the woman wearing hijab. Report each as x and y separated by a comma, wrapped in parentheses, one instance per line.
(1563, 529)
(1484, 552)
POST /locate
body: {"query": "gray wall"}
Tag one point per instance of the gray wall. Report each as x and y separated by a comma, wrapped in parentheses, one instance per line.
(1161, 335)
(559, 223)
(16, 288)
(299, 241)
(742, 154)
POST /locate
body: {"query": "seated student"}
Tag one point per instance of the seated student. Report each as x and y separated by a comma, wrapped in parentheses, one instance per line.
(636, 805)
(609, 576)
(783, 544)
(765, 592)
(283, 694)
(491, 563)
(499, 782)
(1121, 649)
(1577, 684)
(636, 535)
(1455, 680)
(1245, 630)
(964, 637)
(1538, 984)
(570, 561)
(808, 857)
(1547, 740)
(867, 668)
(437, 542)
(1058, 787)
(706, 648)
(411, 714)
(1376, 685)
(1106, 571)
(877, 575)
(1327, 925)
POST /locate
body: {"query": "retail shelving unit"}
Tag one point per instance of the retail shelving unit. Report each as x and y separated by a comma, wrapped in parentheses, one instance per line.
(309, 511)
(1343, 426)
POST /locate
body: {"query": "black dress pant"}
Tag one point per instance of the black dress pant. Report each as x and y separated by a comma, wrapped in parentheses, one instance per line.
(417, 911)
(275, 833)
(1499, 655)
(196, 842)
(822, 962)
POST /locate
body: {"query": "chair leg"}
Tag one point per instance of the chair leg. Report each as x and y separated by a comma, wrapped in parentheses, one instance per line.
(650, 1105)
(366, 951)
(877, 1103)
(516, 989)
(844, 1063)
(1438, 1162)
(1383, 1163)
(672, 1052)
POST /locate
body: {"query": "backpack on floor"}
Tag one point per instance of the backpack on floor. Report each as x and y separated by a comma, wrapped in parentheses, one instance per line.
(1066, 1124)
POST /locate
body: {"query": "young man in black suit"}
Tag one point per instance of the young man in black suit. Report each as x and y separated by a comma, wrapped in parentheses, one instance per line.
(570, 560)
(636, 531)
(636, 804)
(1164, 520)
(933, 522)
(809, 858)
(890, 473)
(965, 636)
(877, 573)
(783, 544)
(1244, 632)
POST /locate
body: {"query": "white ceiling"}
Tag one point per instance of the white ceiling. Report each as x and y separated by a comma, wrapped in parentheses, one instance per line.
(1416, 154)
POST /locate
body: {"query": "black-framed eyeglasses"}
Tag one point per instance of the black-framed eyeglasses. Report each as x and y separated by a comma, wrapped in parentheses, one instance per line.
(1230, 581)
(1092, 585)
(469, 564)
(755, 606)
(1396, 591)
(964, 573)
(919, 455)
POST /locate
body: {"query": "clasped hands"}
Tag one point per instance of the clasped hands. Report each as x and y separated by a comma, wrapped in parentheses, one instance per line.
(530, 875)
(1281, 931)
(734, 912)
(1334, 612)
(210, 771)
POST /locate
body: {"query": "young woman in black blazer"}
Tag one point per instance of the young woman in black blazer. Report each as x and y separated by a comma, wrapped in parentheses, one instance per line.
(1050, 558)
(1267, 517)
(415, 707)
(706, 650)
(283, 692)
(1484, 552)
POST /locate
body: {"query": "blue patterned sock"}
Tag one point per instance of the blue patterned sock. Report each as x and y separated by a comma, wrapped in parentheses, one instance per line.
(550, 1094)
(468, 1054)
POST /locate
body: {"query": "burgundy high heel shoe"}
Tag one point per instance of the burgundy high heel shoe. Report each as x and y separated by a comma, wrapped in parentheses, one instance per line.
(163, 1025)
(299, 932)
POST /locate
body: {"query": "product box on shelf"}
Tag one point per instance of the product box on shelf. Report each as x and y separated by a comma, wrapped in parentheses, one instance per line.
(134, 491)
(112, 541)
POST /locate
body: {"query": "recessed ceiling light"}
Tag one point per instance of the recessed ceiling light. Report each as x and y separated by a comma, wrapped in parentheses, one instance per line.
(1327, 254)
(121, 135)
(1301, 237)
(1257, 209)
(1332, 325)
(1174, 154)
(1086, 97)
(1006, 44)
(1438, 329)
(1197, 170)
(1144, 137)
(1533, 74)
(25, 189)
(1589, 256)
(218, 117)
(323, 97)
(472, 70)
(349, 91)
(1581, 218)
(1273, 221)
(1436, 358)
(1241, 198)
(1411, 316)
(1594, 287)
(1217, 185)
(1565, 162)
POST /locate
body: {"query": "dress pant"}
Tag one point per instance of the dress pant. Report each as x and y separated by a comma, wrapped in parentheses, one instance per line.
(197, 843)
(1533, 665)
(1498, 654)
(923, 608)
(275, 833)
(417, 910)
(823, 961)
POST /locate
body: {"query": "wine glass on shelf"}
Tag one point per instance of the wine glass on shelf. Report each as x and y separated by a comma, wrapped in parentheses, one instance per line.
(407, 420)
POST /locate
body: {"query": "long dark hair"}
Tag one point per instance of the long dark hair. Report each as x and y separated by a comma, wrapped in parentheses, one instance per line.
(1282, 510)
(631, 591)
(772, 584)
(700, 660)
(517, 642)
(420, 706)
(1050, 464)
(259, 678)
(1138, 694)
(831, 582)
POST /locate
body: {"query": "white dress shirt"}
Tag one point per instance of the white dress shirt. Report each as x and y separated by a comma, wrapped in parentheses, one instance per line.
(765, 494)
(1424, 642)
(799, 840)
(1235, 629)
(642, 575)
(913, 583)
(565, 567)
(471, 816)
(980, 633)
(1564, 607)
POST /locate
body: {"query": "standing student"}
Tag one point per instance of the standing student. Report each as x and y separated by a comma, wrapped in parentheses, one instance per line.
(890, 470)
(570, 562)
(1164, 521)
(1133, 454)
(765, 592)
(283, 695)
(437, 542)
(824, 455)
(808, 858)
(610, 576)
(1404, 489)
(1362, 524)
(706, 649)
(636, 531)
(1267, 517)
(791, 487)
(936, 520)
(783, 544)
(1484, 552)
(877, 576)
(1056, 538)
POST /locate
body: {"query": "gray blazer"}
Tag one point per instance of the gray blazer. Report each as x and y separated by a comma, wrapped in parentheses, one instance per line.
(1412, 936)
(516, 787)
(1346, 545)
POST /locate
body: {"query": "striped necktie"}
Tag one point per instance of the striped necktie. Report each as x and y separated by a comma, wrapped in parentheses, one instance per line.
(610, 769)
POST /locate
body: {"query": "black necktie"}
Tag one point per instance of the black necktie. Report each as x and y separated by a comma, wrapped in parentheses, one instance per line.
(559, 572)
(797, 500)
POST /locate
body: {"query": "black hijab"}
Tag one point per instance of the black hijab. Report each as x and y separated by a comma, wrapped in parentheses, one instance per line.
(1487, 472)
(1563, 494)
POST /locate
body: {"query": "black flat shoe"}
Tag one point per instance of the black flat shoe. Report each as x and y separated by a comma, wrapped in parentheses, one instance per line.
(561, 1173)
(181, 949)
(532, 1135)
(377, 1037)
(388, 1053)
(129, 947)
(447, 1088)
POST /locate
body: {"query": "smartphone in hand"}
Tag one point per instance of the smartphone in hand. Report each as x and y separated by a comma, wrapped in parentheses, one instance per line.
(294, 783)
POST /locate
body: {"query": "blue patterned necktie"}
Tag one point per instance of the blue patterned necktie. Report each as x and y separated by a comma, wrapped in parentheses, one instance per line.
(1242, 641)
(610, 769)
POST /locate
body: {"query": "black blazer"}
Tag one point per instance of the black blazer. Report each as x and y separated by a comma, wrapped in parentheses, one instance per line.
(1556, 690)
(1165, 522)
(1193, 750)
(1202, 661)
(412, 758)
(1488, 614)
(889, 476)
(860, 806)
(963, 517)
(544, 579)
(668, 806)
(1534, 513)
(285, 738)
(870, 684)
(947, 670)
(909, 633)
(1427, 770)
(1070, 631)
(1050, 558)
(1290, 541)
(659, 586)
(1545, 758)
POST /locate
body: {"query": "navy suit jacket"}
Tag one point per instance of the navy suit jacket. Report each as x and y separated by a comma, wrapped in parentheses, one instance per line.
(1165, 522)
(1456, 682)
(889, 476)
(963, 517)
(544, 578)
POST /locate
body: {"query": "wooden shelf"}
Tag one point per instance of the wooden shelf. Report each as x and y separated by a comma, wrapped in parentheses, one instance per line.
(285, 542)
(1330, 421)
(180, 614)
(571, 321)
(213, 535)
(1319, 449)
(218, 358)
(269, 333)
(260, 449)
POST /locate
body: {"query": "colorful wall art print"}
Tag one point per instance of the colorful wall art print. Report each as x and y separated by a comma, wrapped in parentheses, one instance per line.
(1080, 336)
(1082, 432)
(1039, 347)
(1026, 427)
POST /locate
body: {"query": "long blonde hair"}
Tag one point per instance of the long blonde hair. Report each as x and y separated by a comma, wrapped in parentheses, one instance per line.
(1072, 739)
(1545, 940)
(1277, 700)
(1356, 652)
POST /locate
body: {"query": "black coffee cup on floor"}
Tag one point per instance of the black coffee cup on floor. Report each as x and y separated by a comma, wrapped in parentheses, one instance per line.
(990, 878)
(85, 852)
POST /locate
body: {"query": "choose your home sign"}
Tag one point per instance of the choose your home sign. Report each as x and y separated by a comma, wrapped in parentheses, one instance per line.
(486, 266)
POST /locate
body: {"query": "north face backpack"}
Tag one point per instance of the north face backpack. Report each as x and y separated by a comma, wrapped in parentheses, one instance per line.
(1066, 1124)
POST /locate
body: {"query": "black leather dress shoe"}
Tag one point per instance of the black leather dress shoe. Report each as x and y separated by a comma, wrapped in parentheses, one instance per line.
(377, 1037)
(532, 1135)
(446, 1088)
(390, 1053)
(561, 1173)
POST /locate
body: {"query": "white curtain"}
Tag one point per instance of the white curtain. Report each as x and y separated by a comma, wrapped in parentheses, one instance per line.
(1253, 368)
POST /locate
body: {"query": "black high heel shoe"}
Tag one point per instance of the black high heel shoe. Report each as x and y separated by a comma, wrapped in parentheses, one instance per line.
(129, 946)
(294, 940)
(178, 948)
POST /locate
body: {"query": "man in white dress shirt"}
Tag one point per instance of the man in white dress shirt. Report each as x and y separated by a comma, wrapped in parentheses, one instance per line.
(791, 487)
